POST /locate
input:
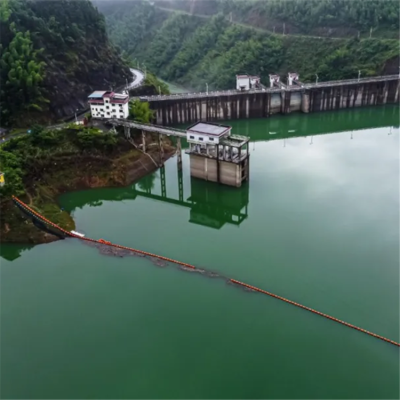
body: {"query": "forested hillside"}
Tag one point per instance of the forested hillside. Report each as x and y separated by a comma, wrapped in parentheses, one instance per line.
(193, 50)
(52, 54)
(316, 17)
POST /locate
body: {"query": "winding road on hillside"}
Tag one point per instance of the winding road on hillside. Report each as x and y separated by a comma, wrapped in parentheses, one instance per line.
(139, 78)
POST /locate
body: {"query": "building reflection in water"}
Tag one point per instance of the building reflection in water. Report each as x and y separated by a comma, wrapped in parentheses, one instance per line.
(210, 204)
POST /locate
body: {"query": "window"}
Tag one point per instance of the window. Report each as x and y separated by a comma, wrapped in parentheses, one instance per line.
(191, 137)
(211, 139)
(201, 139)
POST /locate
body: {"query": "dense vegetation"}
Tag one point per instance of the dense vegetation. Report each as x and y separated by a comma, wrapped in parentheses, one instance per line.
(40, 166)
(193, 50)
(325, 17)
(24, 159)
(52, 54)
(140, 111)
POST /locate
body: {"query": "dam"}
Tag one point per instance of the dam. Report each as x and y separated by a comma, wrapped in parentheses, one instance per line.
(264, 102)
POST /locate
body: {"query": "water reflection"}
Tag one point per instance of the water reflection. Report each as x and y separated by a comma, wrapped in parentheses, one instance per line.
(298, 125)
(209, 204)
(11, 252)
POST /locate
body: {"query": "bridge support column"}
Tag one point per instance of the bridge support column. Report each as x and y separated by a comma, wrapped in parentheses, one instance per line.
(127, 132)
(144, 141)
(179, 153)
(160, 137)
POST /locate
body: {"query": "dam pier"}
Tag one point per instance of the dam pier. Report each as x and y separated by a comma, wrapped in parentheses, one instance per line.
(262, 102)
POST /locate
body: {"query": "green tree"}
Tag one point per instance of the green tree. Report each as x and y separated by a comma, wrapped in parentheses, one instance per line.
(140, 111)
(21, 76)
(5, 11)
(10, 165)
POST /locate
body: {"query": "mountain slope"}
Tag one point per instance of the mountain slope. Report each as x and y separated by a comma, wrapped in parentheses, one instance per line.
(53, 53)
(193, 50)
(330, 18)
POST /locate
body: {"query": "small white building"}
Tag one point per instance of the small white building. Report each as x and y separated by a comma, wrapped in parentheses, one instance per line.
(273, 79)
(293, 77)
(247, 82)
(207, 133)
(105, 104)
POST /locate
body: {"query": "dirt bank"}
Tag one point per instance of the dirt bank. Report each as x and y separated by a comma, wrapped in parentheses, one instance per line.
(70, 174)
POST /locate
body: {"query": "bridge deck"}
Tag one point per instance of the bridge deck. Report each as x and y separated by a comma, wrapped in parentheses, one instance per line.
(148, 127)
(294, 88)
(233, 140)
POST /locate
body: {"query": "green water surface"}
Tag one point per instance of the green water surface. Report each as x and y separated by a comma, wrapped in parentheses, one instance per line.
(317, 223)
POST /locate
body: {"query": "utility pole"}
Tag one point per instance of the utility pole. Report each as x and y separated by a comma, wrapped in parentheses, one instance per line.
(359, 74)
(316, 79)
(207, 88)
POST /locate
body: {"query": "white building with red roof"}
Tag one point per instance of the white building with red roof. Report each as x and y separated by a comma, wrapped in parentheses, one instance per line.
(104, 104)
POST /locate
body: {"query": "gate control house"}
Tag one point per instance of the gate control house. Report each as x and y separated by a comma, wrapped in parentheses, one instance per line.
(216, 155)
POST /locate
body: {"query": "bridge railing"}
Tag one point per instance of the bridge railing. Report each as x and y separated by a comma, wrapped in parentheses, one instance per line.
(147, 127)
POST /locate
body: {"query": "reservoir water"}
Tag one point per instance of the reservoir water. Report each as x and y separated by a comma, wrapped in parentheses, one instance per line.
(317, 223)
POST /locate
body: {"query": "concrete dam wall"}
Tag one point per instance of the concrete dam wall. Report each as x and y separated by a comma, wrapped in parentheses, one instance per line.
(172, 110)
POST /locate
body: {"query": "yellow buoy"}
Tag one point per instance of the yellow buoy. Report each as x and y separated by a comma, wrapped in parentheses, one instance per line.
(2, 181)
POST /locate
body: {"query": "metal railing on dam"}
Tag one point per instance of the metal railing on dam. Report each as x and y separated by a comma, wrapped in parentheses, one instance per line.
(293, 88)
